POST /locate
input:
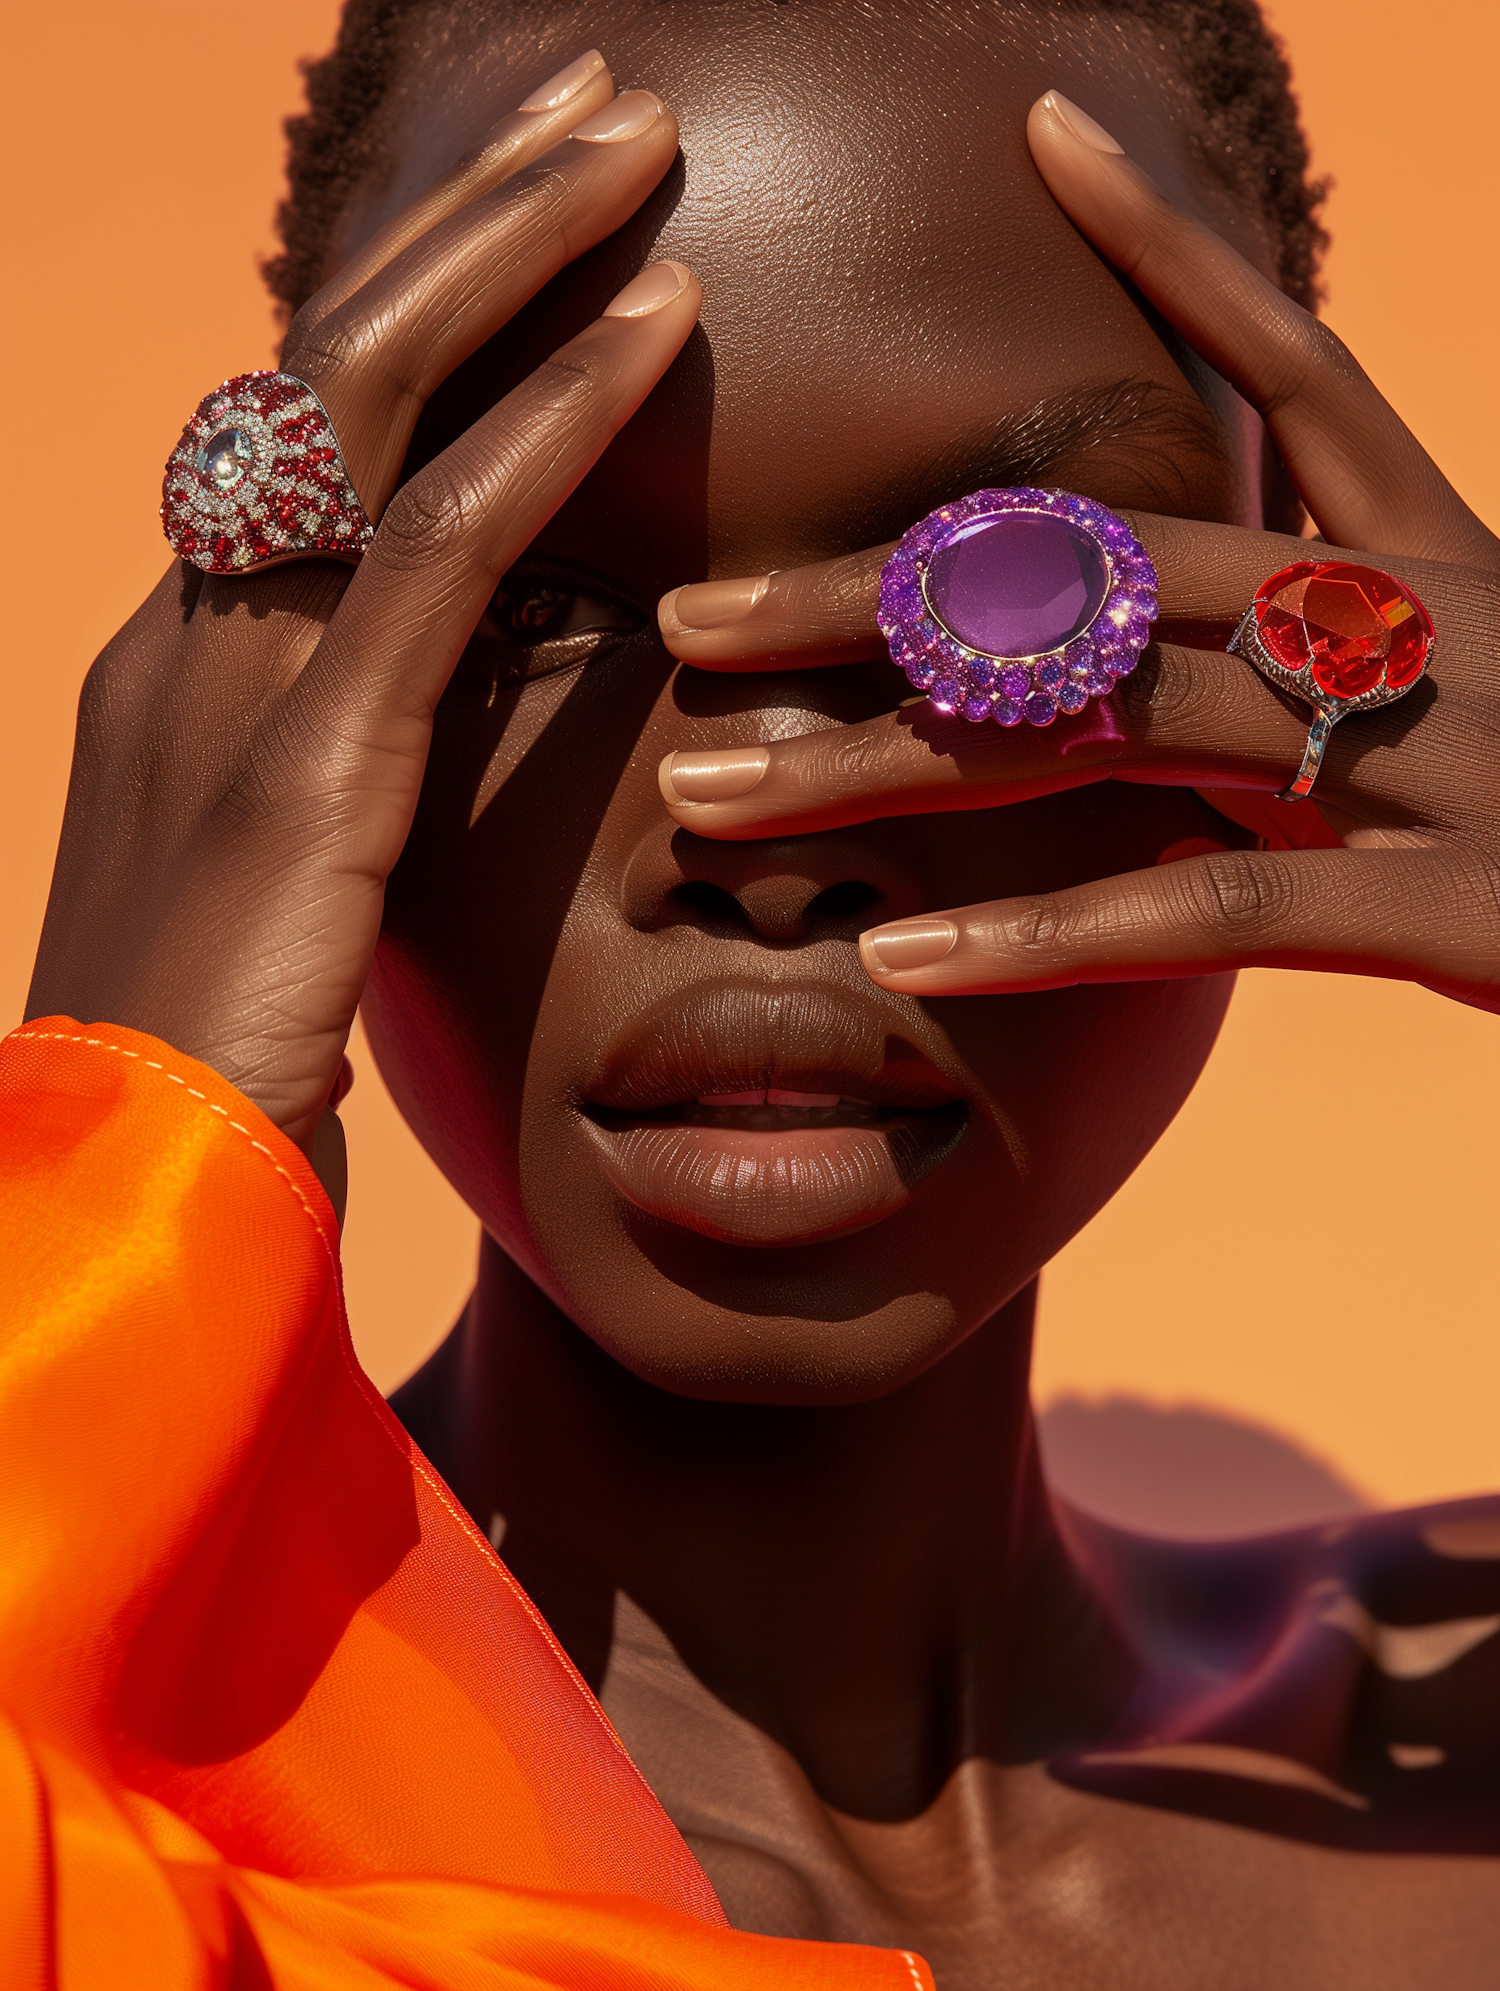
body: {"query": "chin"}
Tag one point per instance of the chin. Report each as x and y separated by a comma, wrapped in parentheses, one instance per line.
(786, 1192)
(745, 1301)
(800, 1339)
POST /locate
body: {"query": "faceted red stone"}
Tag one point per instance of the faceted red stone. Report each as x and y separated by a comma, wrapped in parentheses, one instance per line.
(1355, 627)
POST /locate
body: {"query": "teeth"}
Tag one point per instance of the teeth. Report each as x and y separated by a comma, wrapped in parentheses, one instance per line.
(776, 1097)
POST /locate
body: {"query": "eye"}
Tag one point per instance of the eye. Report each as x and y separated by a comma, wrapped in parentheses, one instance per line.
(530, 613)
(540, 621)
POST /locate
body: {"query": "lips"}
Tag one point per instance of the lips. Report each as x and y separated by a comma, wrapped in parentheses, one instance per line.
(768, 1117)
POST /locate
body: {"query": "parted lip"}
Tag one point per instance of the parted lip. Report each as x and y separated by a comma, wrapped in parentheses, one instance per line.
(869, 1117)
(733, 1037)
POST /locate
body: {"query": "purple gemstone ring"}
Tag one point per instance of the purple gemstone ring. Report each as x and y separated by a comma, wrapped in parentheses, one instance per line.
(1017, 604)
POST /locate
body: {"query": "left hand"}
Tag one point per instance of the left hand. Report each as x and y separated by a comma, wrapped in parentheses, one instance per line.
(1411, 789)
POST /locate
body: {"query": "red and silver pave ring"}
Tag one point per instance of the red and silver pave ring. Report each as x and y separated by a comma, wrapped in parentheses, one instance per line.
(258, 477)
(1341, 637)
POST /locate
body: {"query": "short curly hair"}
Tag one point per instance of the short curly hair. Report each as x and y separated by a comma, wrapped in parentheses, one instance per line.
(1231, 62)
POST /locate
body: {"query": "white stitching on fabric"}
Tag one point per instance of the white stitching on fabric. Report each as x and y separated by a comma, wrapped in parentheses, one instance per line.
(916, 1975)
(155, 1065)
(414, 1457)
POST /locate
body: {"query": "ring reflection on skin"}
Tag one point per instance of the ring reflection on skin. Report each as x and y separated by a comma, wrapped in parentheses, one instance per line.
(773, 1022)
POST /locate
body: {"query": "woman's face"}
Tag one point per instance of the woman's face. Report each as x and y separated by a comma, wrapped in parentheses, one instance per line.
(895, 314)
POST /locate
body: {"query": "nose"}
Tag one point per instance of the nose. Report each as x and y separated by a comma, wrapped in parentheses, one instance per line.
(789, 891)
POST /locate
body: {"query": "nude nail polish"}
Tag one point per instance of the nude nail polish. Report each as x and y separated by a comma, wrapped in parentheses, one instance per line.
(709, 605)
(656, 285)
(711, 777)
(1082, 126)
(915, 943)
(565, 85)
(631, 113)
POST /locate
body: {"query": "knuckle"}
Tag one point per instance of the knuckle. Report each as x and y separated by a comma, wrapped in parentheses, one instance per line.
(99, 698)
(1034, 925)
(1156, 693)
(1321, 345)
(426, 520)
(298, 335)
(1242, 891)
(1304, 353)
(568, 376)
(539, 189)
(319, 351)
(857, 760)
(831, 602)
(532, 211)
(549, 408)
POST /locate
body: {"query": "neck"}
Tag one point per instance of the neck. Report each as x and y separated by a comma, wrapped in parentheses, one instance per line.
(879, 1586)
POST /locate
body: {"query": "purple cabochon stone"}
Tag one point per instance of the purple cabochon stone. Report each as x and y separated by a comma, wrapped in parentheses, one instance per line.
(1006, 712)
(1014, 684)
(1016, 584)
(1049, 675)
(1039, 709)
(949, 692)
(1098, 682)
(976, 706)
(921, 671)
(1071, 696)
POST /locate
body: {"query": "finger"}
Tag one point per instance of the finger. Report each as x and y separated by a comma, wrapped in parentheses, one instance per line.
(1183, 718)
(1361, 473)
(371, 685)
(798, 619)
(375, 359)
(1405, 914)
(1207, 575)
(541, 121)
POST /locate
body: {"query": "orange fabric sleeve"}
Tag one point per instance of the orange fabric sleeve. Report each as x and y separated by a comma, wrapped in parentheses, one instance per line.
(272, 1712)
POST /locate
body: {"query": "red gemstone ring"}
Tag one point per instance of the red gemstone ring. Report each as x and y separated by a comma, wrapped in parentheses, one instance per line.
(1341, 637)
(258, 477)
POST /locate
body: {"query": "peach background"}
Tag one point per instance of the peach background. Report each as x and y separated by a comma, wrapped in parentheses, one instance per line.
(1313, 1246)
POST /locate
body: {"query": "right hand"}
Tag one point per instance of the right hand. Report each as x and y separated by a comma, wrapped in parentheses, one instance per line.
(250, 750)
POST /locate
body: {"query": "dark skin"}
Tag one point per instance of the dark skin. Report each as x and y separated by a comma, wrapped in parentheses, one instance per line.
(766, 1459)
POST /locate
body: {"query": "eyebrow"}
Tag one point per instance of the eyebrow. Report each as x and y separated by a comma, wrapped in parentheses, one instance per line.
(1156, 435)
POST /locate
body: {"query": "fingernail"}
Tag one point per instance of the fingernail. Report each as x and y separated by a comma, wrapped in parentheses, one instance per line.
(709, 604)
(1081, 124)
(716, 777)
(648, 292)
(915, 943)
(631, 113)
(565, 84)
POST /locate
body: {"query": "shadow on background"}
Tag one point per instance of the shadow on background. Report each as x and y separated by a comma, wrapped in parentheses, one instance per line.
(1199, 1475)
